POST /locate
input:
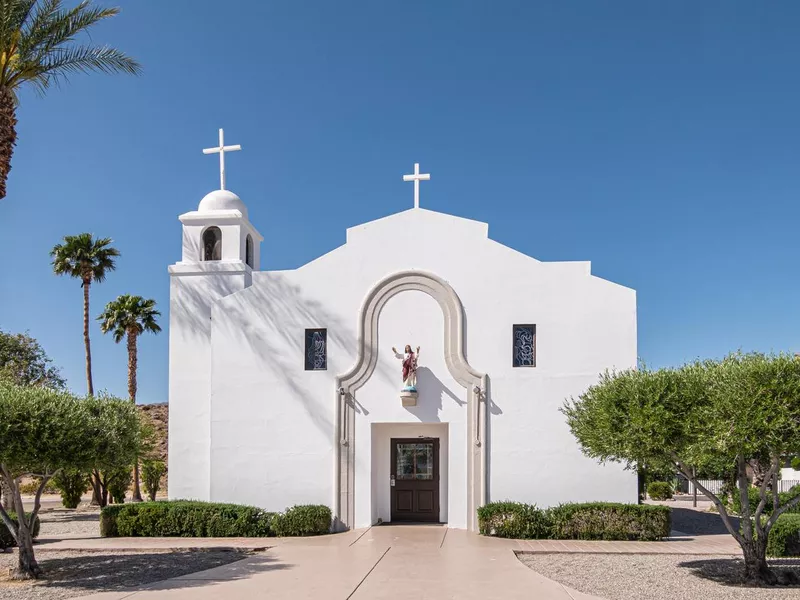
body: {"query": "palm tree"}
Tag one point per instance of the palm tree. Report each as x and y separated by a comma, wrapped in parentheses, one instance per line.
(130, 316)
(37, 47)
(88, 259)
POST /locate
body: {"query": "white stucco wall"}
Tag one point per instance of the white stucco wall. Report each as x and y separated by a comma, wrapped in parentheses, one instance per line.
(270, 422)
(789, 474)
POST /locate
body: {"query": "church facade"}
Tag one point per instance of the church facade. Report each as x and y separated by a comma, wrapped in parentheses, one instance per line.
(412, 374)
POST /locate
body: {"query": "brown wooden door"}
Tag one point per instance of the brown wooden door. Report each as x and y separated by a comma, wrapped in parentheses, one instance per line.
(415, 480)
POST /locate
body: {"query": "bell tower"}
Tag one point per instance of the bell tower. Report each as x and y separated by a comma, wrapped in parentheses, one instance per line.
(220, 251)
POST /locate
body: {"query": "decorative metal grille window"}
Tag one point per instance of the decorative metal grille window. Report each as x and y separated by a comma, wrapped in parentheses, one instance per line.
(248, 251)
(524, 345)
(316, 349)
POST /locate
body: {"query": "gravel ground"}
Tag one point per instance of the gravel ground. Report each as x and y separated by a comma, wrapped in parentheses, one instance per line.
(656, 576)
(60, 522)
(70, 574)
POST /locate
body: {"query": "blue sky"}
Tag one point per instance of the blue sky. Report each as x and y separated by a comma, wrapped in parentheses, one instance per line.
(658, 140)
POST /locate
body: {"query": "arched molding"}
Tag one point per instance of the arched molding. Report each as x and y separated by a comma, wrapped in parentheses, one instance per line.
(348, 384)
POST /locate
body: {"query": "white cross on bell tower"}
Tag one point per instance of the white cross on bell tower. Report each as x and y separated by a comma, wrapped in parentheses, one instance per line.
(221, 150)
(416, 177)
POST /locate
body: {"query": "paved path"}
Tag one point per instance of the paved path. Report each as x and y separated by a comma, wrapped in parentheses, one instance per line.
(425, 562)
(380, 563)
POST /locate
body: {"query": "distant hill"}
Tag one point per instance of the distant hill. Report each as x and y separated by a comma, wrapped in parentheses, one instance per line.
(158, 415)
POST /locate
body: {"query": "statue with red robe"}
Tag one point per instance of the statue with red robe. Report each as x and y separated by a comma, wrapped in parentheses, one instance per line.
(409, 358)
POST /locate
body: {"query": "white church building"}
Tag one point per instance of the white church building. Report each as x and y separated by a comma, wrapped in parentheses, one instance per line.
(287, 387)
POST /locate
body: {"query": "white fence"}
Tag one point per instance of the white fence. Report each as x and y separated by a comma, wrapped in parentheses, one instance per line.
(712, 485)
(715, 485)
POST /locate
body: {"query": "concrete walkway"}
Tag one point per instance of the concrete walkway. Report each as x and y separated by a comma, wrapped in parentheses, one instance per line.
(388, 562)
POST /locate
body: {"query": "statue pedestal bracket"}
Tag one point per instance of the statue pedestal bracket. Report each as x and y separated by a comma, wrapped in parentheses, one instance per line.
(409, 397)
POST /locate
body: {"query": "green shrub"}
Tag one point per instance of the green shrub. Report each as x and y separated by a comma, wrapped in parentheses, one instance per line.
(513, 520)
(30, 488)
(659, 490)
(184, 518)
(72, 484)
(108, 520)
(588, 521)
(7, 540)
(796, 463)
(609, 521)
(784, 537)
(306, 519)
(152, 472)
(754, 498)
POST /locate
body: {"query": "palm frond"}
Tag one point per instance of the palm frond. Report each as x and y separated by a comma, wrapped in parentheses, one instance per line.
(13, 15)
(61, 63)
(129, 315)
(58, 26)
(38, 43)
(84, 257)
(33, 27)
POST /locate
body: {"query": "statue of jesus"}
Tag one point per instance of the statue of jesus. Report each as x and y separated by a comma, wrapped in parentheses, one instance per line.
(409, 358)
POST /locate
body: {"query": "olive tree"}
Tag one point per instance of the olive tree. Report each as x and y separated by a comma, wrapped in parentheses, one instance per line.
(731, 414)
(43, 431)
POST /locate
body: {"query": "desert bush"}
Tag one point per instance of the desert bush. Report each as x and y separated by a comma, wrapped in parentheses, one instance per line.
(152, 472)
(72, 484)
(609, 521)
(659, 490)
(513, 520)
(305, 519)
(784, 537)
(7, 540)
(30, 488)
(184, 518)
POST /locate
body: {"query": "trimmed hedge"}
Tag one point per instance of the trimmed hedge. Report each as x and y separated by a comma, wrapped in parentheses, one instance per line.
(587, 521)
(610, 521)
(302, 520)
(784, 537)
(108, 519)
(513, 520)
(186, 518)
(7, 540)
(659, 490)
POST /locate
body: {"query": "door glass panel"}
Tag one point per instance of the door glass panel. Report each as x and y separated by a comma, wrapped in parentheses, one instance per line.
(415, 461)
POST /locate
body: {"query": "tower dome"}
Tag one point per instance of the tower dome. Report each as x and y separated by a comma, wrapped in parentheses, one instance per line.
(222, 200)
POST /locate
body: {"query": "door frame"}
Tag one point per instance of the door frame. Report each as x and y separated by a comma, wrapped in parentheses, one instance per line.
(436, 482)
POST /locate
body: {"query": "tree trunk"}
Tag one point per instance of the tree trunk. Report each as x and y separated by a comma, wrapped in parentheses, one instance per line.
(5, 492)
(759, 470)
(104, 490)
(86, 283)
(756, 569)
(132, 363)
(27, 567)
(8, 137)
(97, 498)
